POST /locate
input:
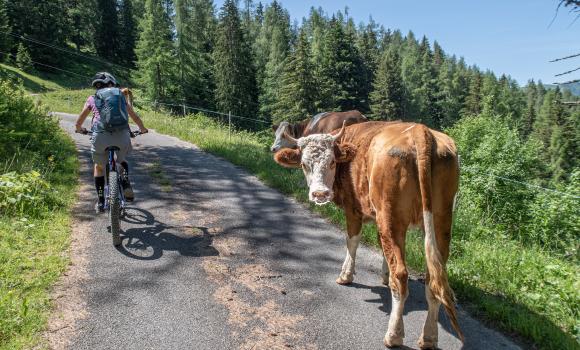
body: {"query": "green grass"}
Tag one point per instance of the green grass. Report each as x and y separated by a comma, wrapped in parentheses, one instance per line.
(517, 288)
(33, 256)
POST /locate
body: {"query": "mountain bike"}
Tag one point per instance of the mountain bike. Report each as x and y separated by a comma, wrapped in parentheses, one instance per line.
(114, 198)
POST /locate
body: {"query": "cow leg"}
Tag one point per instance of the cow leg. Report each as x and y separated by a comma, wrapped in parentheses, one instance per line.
(429, 336)
(385, 271)
(353, 228)
(393, 242)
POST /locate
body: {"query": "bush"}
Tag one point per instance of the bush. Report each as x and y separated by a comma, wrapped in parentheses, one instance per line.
(24, 194)
(493, 161)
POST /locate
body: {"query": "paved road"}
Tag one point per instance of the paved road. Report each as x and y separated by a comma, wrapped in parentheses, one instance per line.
(214, 259)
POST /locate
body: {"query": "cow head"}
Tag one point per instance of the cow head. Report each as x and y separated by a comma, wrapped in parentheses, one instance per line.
(280, 141)
(318, 156)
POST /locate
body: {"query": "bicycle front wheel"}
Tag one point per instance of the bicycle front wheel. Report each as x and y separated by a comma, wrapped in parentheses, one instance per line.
(115, 207)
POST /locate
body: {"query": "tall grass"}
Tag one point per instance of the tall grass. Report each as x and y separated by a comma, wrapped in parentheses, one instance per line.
(517, 286)
(38, 172)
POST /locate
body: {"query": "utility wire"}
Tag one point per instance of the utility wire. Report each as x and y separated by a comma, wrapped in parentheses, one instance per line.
(46, 65)
(38, 42)
(568, 72)
(565, 58)
(479, 172)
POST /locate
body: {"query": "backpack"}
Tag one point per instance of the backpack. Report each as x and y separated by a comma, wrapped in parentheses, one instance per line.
(112, 110)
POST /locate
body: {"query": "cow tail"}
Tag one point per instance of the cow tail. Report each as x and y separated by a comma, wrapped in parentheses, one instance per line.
(438, 281)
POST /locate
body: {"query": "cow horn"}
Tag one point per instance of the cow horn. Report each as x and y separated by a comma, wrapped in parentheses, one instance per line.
(288, 137)
(340, 133)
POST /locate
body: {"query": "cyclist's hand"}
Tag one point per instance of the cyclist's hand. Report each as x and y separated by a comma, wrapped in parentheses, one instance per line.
(144, 130)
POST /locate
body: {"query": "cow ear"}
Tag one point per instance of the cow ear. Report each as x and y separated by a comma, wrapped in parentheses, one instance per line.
(275, 127)
(344, 152)
(288, 158)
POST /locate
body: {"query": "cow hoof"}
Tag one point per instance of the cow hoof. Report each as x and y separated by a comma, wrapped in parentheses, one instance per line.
(385, 280)
(393, 341)
(427, 343)
(344, 280)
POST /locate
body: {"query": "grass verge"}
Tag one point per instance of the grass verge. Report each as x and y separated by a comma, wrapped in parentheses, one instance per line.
(38, 180)
(518, 288)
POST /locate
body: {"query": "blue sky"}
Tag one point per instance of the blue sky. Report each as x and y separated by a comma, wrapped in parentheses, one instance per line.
(510, 36)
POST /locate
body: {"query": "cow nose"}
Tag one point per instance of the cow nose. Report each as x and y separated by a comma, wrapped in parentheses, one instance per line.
(321, 194)
(273, 149)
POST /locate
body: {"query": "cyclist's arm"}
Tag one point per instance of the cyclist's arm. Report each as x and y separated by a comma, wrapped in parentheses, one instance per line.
(81, 119)
(136, 119)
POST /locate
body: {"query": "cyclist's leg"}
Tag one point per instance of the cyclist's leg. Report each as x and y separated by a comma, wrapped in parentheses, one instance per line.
(123, 140)
(100, 161)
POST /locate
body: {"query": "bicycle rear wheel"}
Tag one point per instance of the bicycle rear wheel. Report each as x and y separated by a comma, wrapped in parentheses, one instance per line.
(115, 207)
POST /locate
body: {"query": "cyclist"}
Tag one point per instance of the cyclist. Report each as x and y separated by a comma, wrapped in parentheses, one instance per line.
(109, 127)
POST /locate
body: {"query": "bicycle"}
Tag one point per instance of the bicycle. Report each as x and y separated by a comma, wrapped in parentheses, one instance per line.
(114, 197)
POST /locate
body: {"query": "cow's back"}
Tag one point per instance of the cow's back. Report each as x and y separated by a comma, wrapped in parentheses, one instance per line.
(385, 167)
(332, 121)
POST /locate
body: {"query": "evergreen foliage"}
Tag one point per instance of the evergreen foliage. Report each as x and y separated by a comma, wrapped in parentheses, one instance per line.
(23, 60)
(298, 92)
(235, 79)
(388, 96)
(107, 33)
(155, 53)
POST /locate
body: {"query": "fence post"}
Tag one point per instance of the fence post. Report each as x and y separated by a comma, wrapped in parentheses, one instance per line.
(184, 111)
(230, 126)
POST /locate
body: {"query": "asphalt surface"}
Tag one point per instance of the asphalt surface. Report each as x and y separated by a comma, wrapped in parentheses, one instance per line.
(213, 259)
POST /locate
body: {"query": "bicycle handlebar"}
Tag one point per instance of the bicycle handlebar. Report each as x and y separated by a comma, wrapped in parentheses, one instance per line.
(133, 133)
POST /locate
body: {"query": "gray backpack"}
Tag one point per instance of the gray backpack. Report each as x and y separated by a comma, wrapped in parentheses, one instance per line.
(112, 110)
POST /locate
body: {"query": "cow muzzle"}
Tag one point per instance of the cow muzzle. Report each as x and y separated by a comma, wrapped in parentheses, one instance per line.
(274, 149)
(321, 197)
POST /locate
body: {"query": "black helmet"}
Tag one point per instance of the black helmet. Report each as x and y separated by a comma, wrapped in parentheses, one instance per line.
(104, 78)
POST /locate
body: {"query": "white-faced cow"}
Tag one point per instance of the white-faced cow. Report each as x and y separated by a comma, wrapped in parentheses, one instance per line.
(319, 124)
(397, 174)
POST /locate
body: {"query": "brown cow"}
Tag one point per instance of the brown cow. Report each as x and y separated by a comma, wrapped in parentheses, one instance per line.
(319, 124)
(397, 174)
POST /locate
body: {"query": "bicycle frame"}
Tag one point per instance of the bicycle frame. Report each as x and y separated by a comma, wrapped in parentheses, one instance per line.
(112, 165)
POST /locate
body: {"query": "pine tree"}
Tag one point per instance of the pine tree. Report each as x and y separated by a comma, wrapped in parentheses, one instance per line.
(341, 69)
(235, 78)
(565, 146)
(5, 38)
(473, 100)
(298, 90)
(81, 26)
(368, 47)
(42, 21)
(273, 48)
(155, 54)
(529, 116)
(23, 60)
(107, 34)
(387, 98)
(195, 26)
(128, 31)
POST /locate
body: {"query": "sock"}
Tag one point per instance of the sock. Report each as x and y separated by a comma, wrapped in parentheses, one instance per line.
(100, 187)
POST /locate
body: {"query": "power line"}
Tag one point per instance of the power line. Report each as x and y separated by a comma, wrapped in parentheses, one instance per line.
(203, 110)
(38, 42)
(479, 172)
(568, 72)
(565, 58)
(568, 82)
(46, 65)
